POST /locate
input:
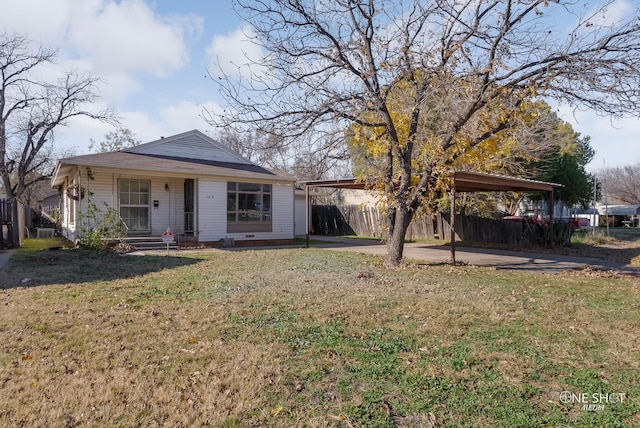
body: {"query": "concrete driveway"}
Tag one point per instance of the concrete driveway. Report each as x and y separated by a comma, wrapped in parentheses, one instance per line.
(499, 259)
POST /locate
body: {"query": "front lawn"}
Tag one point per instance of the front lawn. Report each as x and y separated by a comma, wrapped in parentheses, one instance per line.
(309, 337)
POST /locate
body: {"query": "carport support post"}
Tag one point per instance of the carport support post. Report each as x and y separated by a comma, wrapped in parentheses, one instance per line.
(452, 223)
(551, 218)
(306, 211)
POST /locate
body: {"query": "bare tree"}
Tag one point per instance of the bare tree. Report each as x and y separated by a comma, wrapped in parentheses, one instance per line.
(333, 65)
(622, 183)
(32, 107)
(266, 149)
(121, 138)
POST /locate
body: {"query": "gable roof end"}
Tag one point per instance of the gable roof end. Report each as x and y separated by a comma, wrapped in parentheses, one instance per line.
(190, 145)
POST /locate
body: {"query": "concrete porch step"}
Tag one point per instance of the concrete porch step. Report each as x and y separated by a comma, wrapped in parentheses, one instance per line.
(147, 243)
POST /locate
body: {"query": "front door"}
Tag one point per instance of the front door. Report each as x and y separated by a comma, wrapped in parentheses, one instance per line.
(189, 224)
(134, 204)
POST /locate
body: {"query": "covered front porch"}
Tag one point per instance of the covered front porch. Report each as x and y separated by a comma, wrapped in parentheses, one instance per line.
(149, 207)
(145, 206)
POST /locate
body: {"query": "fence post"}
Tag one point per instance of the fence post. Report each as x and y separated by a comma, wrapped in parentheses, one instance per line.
(3, 210)
(452, 224)
(9, 218)
(16, 226)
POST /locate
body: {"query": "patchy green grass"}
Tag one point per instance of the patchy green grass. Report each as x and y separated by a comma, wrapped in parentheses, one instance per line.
(309, 337)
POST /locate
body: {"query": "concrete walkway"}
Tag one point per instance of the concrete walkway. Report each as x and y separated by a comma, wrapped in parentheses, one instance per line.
(5, 255)
(499, 259)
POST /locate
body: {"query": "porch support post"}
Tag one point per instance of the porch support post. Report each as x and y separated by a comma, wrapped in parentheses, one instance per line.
(452, 223)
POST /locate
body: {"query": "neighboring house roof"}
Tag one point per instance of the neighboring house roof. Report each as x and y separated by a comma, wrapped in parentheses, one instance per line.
(589, 211)
(619, 209)
(50, 194)
(199, 155)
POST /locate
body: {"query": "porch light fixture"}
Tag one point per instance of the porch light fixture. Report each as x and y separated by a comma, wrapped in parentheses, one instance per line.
(166, 187)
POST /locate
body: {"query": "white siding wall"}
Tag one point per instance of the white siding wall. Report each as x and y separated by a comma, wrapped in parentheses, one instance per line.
(282, 212)
(100, 188)
(212, 197)
(210, 206)
(104, 188)
(212, 210)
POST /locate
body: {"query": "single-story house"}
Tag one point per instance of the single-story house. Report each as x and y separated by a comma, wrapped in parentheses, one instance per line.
(50, 203)
(621, 215)
(188, 183)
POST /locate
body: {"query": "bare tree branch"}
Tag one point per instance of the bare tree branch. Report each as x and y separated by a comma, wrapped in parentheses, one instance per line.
(32, 108)
(621, 183)
(337, 64)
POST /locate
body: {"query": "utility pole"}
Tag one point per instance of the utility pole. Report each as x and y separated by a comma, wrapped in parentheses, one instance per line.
(593, 223)
(606, 203)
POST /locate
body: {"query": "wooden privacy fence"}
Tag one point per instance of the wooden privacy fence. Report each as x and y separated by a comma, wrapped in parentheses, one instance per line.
(329, 220)
(479, 229)
(367, 221)
(11, 223)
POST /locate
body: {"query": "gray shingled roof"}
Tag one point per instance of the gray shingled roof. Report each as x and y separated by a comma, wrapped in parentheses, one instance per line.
(163, 165)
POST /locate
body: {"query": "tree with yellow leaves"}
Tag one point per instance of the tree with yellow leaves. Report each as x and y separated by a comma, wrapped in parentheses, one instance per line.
(417, 81)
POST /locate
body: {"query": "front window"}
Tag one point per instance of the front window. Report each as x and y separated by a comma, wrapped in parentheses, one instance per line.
(248, 207)
(134, 204)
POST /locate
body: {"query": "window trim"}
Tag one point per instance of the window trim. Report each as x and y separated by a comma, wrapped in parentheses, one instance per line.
(147, 206)
(238, 226)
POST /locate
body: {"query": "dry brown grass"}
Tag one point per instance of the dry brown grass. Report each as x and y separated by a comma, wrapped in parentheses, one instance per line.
(308, 338)
(622, 246)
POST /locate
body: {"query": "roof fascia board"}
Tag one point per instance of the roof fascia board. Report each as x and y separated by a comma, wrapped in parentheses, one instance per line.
(153, 172)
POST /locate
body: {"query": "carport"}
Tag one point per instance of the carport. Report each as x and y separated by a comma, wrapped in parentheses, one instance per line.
(463, 181)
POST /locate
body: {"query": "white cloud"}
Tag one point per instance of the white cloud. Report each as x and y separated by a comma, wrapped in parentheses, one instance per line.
(121, 41)
(79, 131)
(42, 21)
(611, 14)
(124, 36)
(185, 116)
(173, 119)
(232, 54)
(134, 50)
(129, 36)
(614, 140)
(145, 127)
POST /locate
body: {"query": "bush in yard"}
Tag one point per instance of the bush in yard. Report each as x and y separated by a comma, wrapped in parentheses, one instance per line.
(100, 227)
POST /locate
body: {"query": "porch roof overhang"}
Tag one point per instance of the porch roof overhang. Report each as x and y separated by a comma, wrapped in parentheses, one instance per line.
(164, 166)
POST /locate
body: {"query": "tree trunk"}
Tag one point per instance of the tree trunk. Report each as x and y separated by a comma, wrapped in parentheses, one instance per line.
(395, 243)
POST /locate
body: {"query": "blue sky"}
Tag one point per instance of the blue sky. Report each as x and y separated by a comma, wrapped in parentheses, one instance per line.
(154, 57)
